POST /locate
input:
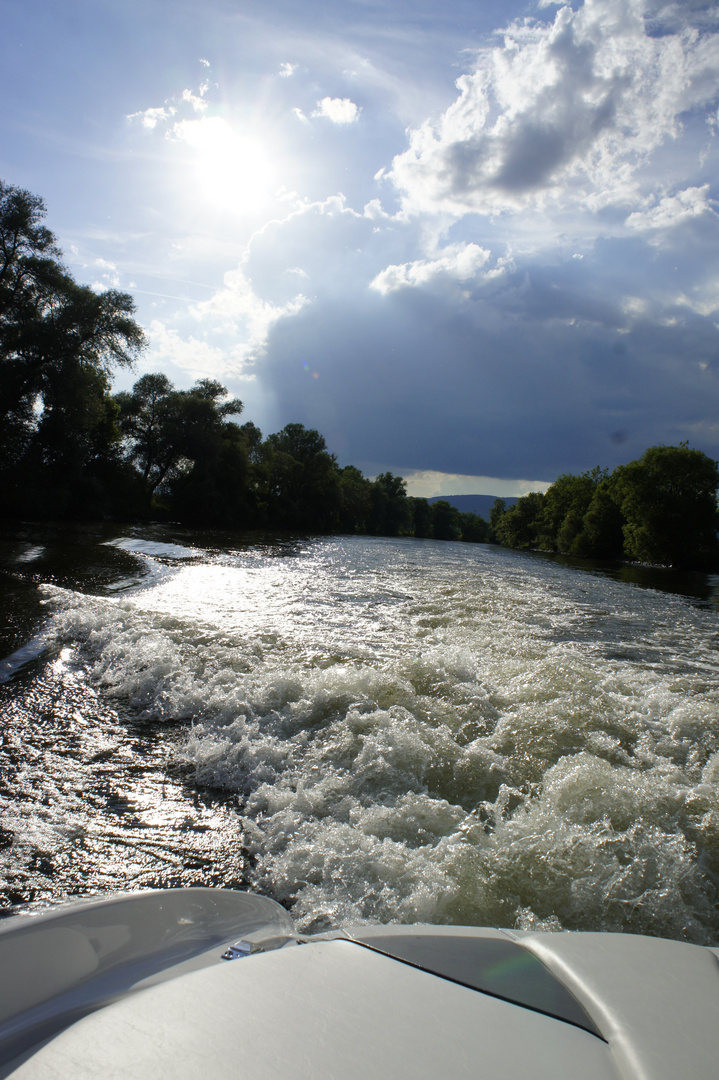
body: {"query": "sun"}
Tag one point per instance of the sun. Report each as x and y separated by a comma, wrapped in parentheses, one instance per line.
(233, 170)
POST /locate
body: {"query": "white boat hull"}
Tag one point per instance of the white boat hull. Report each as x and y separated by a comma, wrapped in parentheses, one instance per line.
(215, 983)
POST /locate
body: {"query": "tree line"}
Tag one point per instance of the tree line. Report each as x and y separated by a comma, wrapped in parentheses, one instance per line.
(70, 448)
(661, 509)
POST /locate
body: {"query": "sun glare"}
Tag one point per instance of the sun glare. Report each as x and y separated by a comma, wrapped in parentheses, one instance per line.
(233, 170)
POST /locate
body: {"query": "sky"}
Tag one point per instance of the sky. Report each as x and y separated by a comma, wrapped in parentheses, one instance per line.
(473, 243)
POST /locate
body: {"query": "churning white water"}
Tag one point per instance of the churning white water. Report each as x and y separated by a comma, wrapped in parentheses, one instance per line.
(425, 731)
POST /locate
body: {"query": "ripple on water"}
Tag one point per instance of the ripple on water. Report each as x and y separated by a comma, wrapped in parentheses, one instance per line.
(408, 731)
(90, 804)
(433, 732)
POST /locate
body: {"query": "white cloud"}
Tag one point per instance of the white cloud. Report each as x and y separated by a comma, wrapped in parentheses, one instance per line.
(373, 210)
(205, 63)
(287, 69)
(338, 110)
(459, 261)
(672, 210)
(110, 279)
(705, 298)
(198, 133)
(197, 103)
(237, 309)
(560, 113)
(150, 118)
(376, 212)
(193, 355)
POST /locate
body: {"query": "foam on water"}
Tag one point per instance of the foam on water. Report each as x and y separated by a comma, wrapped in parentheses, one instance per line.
(436, 732)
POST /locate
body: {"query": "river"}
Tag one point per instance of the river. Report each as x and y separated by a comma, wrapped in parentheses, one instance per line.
(365, 729)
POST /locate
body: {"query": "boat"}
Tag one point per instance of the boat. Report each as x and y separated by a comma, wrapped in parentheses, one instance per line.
(215, 983)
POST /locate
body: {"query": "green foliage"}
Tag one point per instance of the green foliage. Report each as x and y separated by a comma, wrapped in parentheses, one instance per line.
(355, 500)
(499, 509)
(390, 510)
(190, 458)
(149, 421)
(474, 529)
(59, 343)
(302, 488)
(442, 521)
(563, 509)
(421, 513)
(446, 521)
(518, 527)
(661, 508)
(669, 502)
(601, 535)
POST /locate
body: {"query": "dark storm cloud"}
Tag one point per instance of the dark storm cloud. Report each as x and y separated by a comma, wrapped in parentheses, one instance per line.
(534, 381)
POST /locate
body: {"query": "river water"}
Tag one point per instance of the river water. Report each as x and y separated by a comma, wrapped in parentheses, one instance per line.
(365, 729)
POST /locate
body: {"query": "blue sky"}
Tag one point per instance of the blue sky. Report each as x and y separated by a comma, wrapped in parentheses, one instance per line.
(475, 244)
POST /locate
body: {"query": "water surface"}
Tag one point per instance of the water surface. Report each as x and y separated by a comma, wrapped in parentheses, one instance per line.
(368, 730)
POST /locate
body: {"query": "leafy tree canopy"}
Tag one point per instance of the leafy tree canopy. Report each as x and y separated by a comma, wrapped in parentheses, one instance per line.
(48, 323)
(661, 508)
(669, 501)
(59, 344)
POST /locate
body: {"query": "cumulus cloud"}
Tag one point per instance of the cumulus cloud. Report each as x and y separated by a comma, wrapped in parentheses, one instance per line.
(237, 309)
(565, 111)
(672, 210)
(460, 261)
(194, 356)
(338, 110)
(196, 101)
(198, 133)
(443, 358)
(150, 118)
(287, 69)
(454, 333)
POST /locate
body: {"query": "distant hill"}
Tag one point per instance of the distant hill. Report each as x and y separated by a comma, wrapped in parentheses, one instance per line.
(474, 504)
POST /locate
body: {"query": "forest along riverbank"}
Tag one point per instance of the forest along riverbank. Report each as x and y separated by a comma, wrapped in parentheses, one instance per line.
(409, 730)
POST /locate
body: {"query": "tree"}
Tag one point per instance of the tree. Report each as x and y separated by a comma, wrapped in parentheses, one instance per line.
(186, 450)
(517, 528)
(390, 511)
(49, 323)
(601, 535)
(150, 423)
(421, 515)
(59, 343)
(446, 521)
(354, 500)
(669, 501)
(301, 443)
(303, 481)
(475, 529)
(563, 509)
(499, 509)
